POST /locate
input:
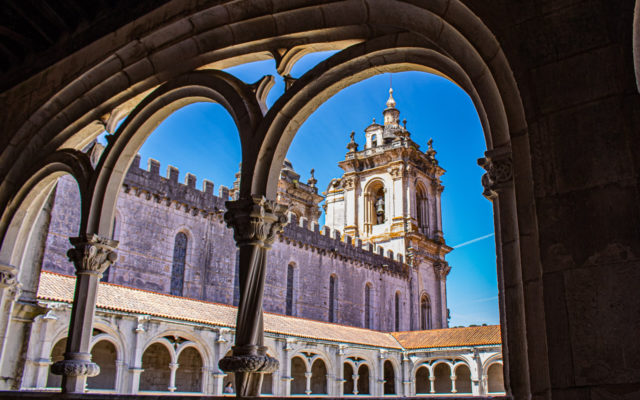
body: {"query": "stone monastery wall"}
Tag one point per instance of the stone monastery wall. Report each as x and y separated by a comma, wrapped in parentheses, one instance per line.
(152, 210)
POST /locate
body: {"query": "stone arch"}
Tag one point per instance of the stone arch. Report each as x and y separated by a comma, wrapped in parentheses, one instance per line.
(348, 371)
(375, 204)
(441, 372)
(105, 354)
(189, 375)
(462, 373)
(299, 367)
(155, 364)
(364, 378)
(495, 377)
(213, 86)
(57, 354)
(422, 379)
(191, 340)
(319, 375)
(389, 376)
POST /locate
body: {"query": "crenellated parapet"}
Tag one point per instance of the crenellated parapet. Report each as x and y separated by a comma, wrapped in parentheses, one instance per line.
(333, 243)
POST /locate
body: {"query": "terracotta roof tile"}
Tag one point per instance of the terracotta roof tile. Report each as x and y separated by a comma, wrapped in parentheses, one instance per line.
(450, 337)
(58, 287)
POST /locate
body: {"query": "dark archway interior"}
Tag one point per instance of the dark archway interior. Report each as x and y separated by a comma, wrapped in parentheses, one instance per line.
(389, 378)
(363, 379)
(422, 380)
(442, 373)
(189, 372)
(463, 379)
(347, 375)
(298, 370)
(105, 355)
(57, 352)
(318, 377)
(156, 373)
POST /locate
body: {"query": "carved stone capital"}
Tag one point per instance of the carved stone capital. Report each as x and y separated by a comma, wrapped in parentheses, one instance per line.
(499, 167)
(350, 183)
(77, 364)
(441, 270)
(255, 220)
(92, 254)
(249, 358)
(8, 276)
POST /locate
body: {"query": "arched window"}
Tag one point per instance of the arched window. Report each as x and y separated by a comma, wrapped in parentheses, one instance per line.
(332, 298)
(397, 311)
(374, 140)
(425, 313)
(375, 206)
(367, 306)
(189, 372)
(422, 210)
(179, 258)
(289, 305)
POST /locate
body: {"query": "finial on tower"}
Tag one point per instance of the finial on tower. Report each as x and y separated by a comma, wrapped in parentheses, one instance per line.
(391, 103)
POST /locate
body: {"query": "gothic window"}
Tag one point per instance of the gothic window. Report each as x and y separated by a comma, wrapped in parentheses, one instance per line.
(397, 313)
(332, 298)
(289, 305)
(179, 258)
(425, 313)
(367, 306)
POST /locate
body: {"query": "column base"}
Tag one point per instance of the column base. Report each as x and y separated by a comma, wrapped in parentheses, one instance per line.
(76, 364)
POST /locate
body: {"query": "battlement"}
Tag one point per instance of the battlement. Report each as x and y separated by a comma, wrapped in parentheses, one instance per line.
(168, 189)
(332, 241)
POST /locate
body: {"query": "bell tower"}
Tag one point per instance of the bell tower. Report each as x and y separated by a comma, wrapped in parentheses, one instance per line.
(389, 195)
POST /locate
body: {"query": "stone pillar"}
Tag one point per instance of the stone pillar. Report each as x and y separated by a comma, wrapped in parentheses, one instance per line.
(136, 355)
(350, 185)
(307, 375)
(286, 372)
(255, 221)
(438, 189)
(218, 381)
(173, 367)
(453, 382)
(407, 379)
(499, 189)
(379, 388)
(432, 386)
(355, 378)
(9, 293)
(120, 371)
(91, 256)
(339, 387)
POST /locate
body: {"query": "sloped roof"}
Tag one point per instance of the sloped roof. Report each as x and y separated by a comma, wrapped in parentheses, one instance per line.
(450, 337)
(57, 287)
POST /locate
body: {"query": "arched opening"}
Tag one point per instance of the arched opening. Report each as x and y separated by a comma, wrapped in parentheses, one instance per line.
(347, 376)
(177, 269)
(495, 378)
(299, 381)
(463, 379)
(442, 374)
(389, 378)
(156, 374)
(363, 379)
(104, 354)
(422, 380)
(189, 372)
(368, 312)
(57, 354)
(318, 377)
(290, 301)
(375, 206)
(333, 282)
(422, 210)
(425, 312)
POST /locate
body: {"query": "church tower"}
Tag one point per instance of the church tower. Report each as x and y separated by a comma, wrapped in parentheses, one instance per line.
(389, 196)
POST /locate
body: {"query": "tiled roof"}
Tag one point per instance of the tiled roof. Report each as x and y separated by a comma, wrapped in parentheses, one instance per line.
(58, 287)
(450, 337)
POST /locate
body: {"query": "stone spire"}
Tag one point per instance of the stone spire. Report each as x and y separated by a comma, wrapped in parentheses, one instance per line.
(391, 113)
(391, 103)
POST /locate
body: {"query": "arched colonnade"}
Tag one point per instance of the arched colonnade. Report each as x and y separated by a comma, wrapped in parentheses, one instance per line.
(444, 38)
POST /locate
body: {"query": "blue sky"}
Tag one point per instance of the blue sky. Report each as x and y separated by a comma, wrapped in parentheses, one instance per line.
(202, 139)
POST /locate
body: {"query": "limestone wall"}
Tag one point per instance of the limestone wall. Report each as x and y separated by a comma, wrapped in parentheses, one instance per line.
(152, 210)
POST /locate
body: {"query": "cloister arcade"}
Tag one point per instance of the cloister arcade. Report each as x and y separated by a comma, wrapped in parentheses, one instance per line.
(554, 87)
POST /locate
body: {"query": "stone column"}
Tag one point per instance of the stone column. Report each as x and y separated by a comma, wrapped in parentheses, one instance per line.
(120, 370)
(350, 185)
(407, 379)
(91, 255)
(453, 382)
(286, 372)
(136, 355)
(432, 380)
(255, 221)
(438, 189)
(339, 387)
(499, 189)
(355, 378)
(379, 389)
(9, 293)
(173, 367)
(307, 375)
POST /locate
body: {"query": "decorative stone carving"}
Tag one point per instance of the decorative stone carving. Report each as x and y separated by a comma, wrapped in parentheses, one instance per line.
(249, 359)
(7, 278)
(76, 364)
(255, 220)
(499, 167)
(92, 254)
(441, 270)
(350, 183)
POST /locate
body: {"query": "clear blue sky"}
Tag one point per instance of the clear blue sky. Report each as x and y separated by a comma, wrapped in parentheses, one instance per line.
(202, 139)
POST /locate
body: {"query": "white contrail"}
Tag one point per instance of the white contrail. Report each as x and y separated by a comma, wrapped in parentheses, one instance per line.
(473, 240)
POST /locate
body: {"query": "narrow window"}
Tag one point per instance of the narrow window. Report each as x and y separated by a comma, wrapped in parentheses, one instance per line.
(332, 302)
(290, 271)
(397, 314)
(367, 306)
(179, 257)
(374, 141)
(425, 313)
